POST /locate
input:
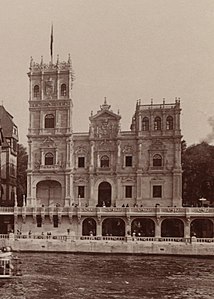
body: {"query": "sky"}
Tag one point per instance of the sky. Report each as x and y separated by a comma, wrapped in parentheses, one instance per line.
(123, 50)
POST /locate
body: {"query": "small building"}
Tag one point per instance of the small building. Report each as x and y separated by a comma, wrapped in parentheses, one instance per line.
(9, 139)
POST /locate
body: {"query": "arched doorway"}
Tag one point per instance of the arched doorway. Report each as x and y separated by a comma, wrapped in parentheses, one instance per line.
(104, 194)
(201, 228)
(49, 193)
(172, 228)
(113, 227)
(143, 227)
(89, 227)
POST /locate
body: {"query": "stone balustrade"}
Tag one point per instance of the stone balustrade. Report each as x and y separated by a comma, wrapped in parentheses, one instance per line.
(111, 211)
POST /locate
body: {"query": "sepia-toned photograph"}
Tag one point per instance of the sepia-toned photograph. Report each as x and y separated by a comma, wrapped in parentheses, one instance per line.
(107, 149)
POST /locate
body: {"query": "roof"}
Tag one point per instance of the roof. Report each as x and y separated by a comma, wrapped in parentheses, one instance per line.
(6, 122)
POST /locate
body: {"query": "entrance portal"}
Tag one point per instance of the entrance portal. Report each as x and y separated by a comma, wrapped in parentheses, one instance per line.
(104, 195)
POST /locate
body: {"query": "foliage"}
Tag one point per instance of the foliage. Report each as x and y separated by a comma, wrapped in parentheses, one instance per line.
(198, 173)
(22, 159)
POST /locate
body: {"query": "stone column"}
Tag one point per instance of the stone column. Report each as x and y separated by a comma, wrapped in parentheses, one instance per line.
(99, 228)
(157, 228)
(187, 228)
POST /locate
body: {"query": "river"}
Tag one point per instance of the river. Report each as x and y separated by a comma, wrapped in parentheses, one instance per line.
(75, 276)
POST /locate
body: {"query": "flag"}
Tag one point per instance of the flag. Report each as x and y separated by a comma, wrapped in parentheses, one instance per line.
(51, 44)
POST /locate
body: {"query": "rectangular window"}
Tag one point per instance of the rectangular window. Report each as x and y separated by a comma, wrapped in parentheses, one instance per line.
(55, 221)
(157, 191)
(39, 220)
(128, 191)
(81, 191)
(128, 161)
(81, 161)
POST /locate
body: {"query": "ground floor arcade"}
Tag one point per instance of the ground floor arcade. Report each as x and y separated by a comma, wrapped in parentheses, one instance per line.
(113, 226)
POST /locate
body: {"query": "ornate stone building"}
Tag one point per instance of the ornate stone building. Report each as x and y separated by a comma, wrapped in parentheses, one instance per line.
(106, 166)
(71, 173)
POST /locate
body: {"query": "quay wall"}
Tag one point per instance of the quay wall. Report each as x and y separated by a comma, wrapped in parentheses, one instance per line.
(113, 247)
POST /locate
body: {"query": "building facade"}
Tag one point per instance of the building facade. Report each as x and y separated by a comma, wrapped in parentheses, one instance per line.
(106, 182)
(8, 162)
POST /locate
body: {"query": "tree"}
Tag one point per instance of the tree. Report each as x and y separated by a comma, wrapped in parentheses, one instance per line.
(22, 159)
(198, 173)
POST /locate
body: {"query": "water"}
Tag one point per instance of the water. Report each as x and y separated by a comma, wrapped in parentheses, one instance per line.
(55, 276)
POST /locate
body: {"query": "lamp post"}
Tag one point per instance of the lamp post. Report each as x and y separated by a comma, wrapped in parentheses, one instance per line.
(202, 200)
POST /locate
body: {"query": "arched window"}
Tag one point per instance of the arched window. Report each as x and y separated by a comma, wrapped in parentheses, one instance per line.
(36, 91)
(169, 123)
(63, 90)
(49, 121)
(145, 124)
(49, 159)
(157, 123)
(157, 160)
(104, 161)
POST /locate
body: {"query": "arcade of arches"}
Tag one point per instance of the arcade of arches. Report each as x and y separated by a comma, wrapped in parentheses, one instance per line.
(146, 227)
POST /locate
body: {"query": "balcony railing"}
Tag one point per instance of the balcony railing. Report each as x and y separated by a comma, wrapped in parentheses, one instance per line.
(120, 211)
(68, 238)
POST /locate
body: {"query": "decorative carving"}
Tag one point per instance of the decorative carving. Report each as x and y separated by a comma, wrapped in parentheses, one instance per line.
(128, 179)
(128, 220)
(157, 145)
(99, 219)
(127, 149)
(79, 219)
(48, 142)
(49, 87)
(81, 150)
(106, 145)
(80, 180)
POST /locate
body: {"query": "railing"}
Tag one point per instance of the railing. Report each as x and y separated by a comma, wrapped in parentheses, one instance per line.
(136, 211)
(107, 238)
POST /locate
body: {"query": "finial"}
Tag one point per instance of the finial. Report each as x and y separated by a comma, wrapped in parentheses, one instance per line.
(118, 111)
(139, 101)
(31, 61)
(41, 60)
(69, 58)
(105, 100)
(163, 100)
(151, 101)
(91, 112)
(57, 60)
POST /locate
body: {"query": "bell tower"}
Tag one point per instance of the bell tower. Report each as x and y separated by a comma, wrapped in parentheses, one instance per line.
(50, 138)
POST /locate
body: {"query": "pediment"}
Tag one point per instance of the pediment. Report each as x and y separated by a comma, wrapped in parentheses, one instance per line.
(105, 114)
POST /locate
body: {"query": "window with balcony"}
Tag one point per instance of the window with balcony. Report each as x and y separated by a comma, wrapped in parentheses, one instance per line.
(169, 123)
(63, 90)
(81, 191)
(157, 191)
(157, 123)
(157, 160)
(145, 124)
(128, 161)
(128, 191)
(104, 161)
(49, 121)
(81, 162)
(49, 159)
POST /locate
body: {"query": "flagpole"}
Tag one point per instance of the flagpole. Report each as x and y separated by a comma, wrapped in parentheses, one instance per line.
(51, 44)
